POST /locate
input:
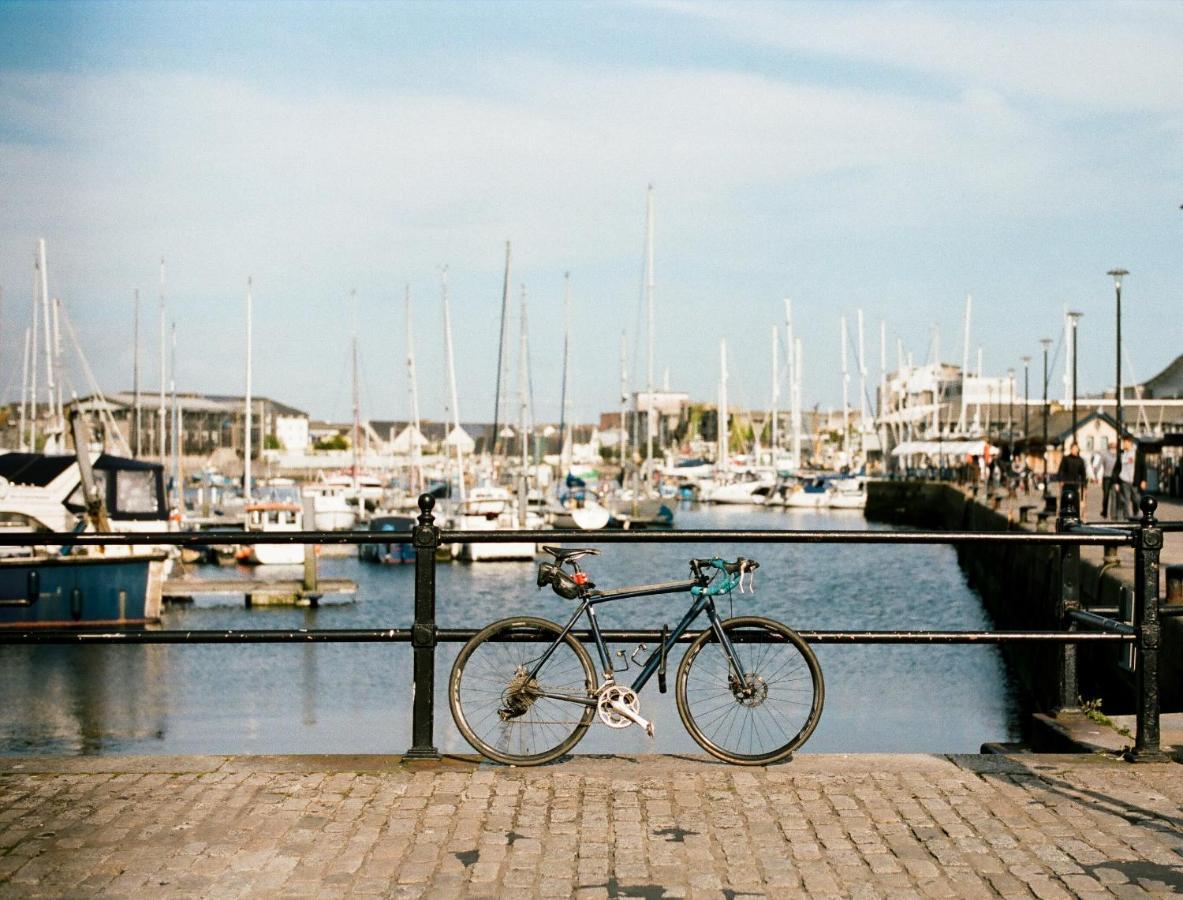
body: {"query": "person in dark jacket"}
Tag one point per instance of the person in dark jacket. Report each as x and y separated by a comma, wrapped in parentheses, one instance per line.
(1073, 471)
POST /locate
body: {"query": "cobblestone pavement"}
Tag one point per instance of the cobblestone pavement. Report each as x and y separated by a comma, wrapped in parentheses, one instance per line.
(822, 825)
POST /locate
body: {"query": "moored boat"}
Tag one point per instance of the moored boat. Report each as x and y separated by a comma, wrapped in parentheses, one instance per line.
(52, 589)
(387, 552)
(269, 518)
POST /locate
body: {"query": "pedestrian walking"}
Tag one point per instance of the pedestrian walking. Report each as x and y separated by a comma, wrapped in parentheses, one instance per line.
(1106, 466)
(1128, 485)
(1073, 473)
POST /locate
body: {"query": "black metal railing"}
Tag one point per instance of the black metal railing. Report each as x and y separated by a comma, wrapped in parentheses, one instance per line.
(1077, 625)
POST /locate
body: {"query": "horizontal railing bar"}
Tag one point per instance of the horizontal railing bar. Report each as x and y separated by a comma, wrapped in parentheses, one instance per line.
(679, 536)
(459, 635)
(1103, 622)
(666, 536)
(1171, 610)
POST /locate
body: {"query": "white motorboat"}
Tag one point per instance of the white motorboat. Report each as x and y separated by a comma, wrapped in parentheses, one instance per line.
(811, 493)
(751, 487)
(589, 515)
(490, 500)
(269, 518)
(499, 551)
(331, 508)
(848, 493)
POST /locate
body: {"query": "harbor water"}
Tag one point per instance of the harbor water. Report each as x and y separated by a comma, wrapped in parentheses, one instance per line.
(355, 698)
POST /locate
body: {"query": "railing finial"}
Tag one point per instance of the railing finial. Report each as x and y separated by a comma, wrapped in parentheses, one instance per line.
(1149, 505)
(426, 505)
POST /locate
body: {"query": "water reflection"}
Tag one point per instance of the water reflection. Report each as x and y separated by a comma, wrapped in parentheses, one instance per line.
(354, 698)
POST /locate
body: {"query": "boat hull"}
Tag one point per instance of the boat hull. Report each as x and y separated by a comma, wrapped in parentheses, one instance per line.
(334, 519)
(81, 591)
(275, 554)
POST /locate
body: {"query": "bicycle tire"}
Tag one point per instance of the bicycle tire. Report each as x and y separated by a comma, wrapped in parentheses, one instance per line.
(484, 674)
(784, 682)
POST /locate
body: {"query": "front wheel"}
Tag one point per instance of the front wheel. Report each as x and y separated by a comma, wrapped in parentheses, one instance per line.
(763, 716)
(509, 716)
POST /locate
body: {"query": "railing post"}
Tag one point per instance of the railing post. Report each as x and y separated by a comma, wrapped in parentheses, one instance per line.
(1146, 557)
(1068, 689)
(425, 538)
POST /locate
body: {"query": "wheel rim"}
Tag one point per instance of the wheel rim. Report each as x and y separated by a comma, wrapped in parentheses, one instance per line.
(759, 719)
(503, 713)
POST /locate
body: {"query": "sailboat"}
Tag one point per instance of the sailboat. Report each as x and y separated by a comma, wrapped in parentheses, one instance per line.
(488, 507)
(573, 505)
(638, 504)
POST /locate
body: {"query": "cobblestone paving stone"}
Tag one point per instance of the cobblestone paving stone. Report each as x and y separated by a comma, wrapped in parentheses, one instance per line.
(820, 826)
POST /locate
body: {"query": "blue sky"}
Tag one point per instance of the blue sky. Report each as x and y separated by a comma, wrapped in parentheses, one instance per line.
(893, 157)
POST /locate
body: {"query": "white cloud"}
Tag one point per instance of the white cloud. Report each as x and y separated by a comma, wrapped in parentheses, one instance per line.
(1112, 56)
(318, 193)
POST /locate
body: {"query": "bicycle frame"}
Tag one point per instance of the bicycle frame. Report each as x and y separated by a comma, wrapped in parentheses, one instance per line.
(588, 604)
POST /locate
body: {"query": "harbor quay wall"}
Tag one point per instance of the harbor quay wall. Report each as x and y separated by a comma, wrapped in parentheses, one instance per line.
(1020, 587)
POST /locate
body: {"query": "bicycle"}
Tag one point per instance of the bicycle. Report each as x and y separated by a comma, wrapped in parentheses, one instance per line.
(749, 690)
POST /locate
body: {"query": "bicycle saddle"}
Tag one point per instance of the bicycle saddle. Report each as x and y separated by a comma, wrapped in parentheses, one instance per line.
(570, 554)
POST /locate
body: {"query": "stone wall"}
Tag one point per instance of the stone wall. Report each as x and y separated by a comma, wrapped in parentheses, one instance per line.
(1020, 586)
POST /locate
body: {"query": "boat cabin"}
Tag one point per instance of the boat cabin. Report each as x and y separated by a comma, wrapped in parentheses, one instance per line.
(44, 492)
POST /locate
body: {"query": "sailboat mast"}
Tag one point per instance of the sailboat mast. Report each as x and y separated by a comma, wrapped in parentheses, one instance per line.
(794, 397)
(502, 357)
(961, 419)
(523, 437)
(723, 416)
(355, 443)
(25, 444)
(57, 371)
(649, 429)
(136, 421)
(623, 400)
(862, 384)
(33, 358)
(163, 366)
(452, 386)
(798, 362)
(248, 425)
(413, 387)
(845, 399)
(50, 390)
(775, 389)
(177, 430)
(563, 462)
(523, 410)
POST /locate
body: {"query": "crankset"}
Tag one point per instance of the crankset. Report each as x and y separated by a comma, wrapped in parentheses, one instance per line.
(620, 707)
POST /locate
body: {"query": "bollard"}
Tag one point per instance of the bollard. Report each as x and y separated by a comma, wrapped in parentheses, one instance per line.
(425, 538)
(1068, 692)
(1146, 598)
(1175, 584)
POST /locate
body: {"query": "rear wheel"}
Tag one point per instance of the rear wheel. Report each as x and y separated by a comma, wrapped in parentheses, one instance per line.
(762, 717)
(504, 713)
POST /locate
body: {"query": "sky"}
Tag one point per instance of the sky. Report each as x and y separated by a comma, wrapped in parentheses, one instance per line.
(889, 157)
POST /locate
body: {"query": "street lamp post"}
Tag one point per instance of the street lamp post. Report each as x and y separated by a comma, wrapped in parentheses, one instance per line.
(1010, 410)
(1046, 344)
(1074, 318)
(1117, 275)
(1026, 405)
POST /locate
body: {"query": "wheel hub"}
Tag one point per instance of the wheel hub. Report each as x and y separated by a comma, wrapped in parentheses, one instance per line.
(519, 695)
(752, 692)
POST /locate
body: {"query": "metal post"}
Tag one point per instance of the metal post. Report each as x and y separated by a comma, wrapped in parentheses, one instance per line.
(1026, 416)
(1074, 318)
(1146, 553)
(1068, 520)
(1117, 275)
(425, 538)
(1049, 501)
